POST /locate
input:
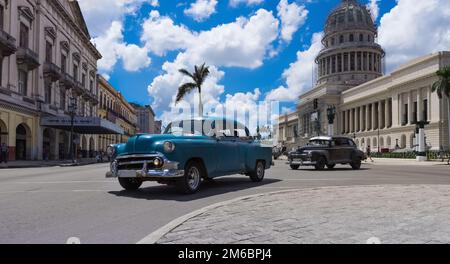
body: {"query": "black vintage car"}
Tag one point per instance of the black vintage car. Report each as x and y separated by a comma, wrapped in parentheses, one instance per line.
(327, 151)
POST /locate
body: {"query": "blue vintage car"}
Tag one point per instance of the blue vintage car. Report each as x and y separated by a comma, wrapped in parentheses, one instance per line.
(189, 152)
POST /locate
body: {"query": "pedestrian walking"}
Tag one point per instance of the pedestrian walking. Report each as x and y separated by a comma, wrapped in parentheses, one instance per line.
(369, 153)
(4, 153)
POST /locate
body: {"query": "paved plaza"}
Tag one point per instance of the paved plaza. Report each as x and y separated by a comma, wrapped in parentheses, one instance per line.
(389, 214)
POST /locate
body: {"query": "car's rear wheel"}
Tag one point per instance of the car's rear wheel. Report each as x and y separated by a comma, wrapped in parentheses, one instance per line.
(130, 184)
(356, 163)
(331, 166)
(258, 174)
(192, 179)
(295, 167)
(320, 164)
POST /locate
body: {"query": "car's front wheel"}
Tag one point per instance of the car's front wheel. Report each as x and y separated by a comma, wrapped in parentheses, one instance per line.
(192, 179)
(130, 184)
(356, 163)
(320, 164)
(258, 174)
(295, 167)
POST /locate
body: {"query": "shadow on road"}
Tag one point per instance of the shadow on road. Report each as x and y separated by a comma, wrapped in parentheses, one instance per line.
(208, 189)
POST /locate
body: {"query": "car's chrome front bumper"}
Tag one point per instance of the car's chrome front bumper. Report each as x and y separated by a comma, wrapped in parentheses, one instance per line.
(168, 170)
(301, 160)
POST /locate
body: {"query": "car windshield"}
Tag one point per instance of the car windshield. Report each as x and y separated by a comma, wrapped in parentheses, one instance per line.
(319, 142)
(190, 128)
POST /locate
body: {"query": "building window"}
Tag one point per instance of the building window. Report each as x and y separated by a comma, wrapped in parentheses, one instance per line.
(48, 51)
(24, 32)
(2, 15)
(341, 39)
(75, 72)
(62, 99)
(63, 63)
(23, 82)
(83, 80)
(48, 92)
(369, 38)
(351, 37)
(405, 115)
(91, 86)
(332, 41)
(414, 112)
(425, 110)
(361, 37)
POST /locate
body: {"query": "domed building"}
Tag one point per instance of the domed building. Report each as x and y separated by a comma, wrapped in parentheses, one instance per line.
(372, 108)
(350, 55)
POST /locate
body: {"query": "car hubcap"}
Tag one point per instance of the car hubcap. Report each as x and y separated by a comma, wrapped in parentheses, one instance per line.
(260, 171)
(193, 178)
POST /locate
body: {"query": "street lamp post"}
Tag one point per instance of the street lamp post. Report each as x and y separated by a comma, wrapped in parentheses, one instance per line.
(331, 113)
(378, 140)
(421, 154)
(72, 113)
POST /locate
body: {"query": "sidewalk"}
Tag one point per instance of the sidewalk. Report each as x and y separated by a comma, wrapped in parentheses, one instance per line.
(41, 163)
(389, 161)
(356, 215)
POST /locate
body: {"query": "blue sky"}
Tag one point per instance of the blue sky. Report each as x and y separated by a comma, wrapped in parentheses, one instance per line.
(280, 67)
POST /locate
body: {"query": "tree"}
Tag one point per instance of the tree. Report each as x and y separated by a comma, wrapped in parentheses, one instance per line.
(442, 87)
(198, 76)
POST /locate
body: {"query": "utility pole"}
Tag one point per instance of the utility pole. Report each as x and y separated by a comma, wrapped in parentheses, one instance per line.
(72, 112)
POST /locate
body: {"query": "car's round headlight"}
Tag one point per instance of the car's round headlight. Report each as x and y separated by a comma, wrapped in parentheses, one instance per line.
(158, 162)
(110, 151)
(169, 147)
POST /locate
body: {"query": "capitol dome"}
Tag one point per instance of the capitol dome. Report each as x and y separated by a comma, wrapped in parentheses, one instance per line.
(350, 55)
(350, 15)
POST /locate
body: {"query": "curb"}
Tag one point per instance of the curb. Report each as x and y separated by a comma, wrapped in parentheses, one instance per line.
(161, 232)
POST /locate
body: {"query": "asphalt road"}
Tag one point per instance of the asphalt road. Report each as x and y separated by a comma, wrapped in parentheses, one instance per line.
(49, 205)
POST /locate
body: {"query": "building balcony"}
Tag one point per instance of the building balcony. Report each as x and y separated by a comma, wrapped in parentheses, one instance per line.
(27, 57)
(52, 71)
(7, 44)
(93, 98)
(67, 80)
(78, 88)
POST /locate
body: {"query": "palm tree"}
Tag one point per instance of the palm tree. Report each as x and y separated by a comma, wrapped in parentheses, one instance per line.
(442, 87)
(198, 76)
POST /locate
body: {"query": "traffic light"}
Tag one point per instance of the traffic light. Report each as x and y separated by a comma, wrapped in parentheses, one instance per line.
(316, 104)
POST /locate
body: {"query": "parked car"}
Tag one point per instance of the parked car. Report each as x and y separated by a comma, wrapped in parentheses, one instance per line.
(188, 152)
(327, 151)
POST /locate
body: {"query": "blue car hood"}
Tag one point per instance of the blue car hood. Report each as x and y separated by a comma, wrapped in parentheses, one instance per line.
(144, 143)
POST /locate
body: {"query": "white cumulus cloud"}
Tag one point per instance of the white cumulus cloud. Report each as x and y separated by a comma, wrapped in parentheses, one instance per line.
(112, 46)
(298, 76)
(414, 28)
(201, 10)
(374, 9)
(292, 17)
(235, 3)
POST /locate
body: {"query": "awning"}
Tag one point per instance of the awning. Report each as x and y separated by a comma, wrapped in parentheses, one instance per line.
(83, 125)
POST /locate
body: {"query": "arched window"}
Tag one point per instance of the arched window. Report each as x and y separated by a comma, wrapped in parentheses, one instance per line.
(332, 41)
(369, 38)
(361, 37)
(351, 38)
(341, 39)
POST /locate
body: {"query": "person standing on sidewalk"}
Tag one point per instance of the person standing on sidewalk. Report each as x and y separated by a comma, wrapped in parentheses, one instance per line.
(3, 153)
(369, 153)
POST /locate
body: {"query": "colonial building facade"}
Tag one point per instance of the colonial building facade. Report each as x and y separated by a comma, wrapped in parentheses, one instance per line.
(373, 108)
(48, 65)
(146, 119)
(115, 108)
